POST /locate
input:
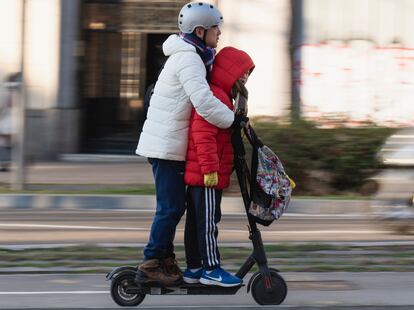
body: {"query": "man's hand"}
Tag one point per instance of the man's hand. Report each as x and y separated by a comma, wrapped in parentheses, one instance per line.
(211, 179)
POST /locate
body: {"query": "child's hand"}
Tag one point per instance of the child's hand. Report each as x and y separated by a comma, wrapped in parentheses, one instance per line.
(210, 179)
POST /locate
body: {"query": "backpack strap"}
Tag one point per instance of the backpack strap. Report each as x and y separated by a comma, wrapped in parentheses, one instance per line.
(237, 143)
(256, 143)
(150, 89)
(253, 170)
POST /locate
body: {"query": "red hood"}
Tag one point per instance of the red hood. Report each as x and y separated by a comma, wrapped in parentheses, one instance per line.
(229, 65)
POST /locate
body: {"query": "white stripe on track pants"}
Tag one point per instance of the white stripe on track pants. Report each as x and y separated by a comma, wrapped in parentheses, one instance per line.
(200, 237)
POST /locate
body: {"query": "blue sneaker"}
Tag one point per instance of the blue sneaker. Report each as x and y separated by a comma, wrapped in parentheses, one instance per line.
(192, 277)
(219, 277)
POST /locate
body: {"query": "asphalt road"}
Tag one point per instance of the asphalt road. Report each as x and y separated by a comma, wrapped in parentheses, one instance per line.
(306, 290)
(373, 290)
(132, 226)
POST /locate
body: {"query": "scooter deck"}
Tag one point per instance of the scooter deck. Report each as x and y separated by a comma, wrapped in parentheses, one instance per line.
(183, 289)
(155, 288)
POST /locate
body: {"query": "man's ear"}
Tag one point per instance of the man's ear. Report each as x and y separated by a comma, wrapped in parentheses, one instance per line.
(199, 32)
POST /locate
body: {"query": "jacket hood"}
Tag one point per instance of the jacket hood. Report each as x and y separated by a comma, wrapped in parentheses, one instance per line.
(175, 44)
(229, 65)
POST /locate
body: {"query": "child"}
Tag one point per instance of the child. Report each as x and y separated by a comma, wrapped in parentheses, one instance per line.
(209, 164)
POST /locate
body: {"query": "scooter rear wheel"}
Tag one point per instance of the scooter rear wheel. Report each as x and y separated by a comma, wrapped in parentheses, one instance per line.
(119, 292)
(279, 289)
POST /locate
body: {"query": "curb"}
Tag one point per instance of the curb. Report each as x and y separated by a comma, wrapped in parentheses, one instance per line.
(147, 202)
(101, 158)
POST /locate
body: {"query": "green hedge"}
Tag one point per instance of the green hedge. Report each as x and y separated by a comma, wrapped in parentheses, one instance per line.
(324, 161)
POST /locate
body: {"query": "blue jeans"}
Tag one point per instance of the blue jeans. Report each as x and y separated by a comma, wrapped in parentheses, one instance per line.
(170, 191)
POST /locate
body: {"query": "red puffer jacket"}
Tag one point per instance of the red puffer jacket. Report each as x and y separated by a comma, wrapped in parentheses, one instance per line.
(209, 147)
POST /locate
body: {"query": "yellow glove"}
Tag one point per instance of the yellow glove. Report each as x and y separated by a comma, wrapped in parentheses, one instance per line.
(210, 179)
(292, 183)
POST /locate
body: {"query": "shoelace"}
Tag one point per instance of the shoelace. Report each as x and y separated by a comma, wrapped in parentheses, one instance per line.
(172, 267)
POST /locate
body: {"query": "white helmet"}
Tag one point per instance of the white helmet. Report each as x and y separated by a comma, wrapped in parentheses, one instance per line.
(198, 14)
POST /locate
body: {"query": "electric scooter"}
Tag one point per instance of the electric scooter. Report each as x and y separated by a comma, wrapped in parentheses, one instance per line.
(266, 285)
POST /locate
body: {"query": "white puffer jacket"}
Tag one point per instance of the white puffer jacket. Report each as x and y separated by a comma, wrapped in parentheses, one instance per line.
(181, 83)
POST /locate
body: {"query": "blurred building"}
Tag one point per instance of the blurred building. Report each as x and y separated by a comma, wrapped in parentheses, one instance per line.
(87, 63)
(357, 61)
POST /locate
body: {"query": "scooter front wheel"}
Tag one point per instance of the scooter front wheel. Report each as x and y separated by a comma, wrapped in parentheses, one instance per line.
(119, 290)
(279, 289)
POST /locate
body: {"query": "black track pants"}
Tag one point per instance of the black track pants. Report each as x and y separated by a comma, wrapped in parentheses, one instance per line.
(200, 237)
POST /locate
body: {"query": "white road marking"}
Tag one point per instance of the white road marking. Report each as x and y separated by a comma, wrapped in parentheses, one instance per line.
(20, 225)
(54, 292)
(267, 232)
(303, 232)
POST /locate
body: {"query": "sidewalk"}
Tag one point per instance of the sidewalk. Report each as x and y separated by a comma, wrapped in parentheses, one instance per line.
(95, 172)
(81, 171)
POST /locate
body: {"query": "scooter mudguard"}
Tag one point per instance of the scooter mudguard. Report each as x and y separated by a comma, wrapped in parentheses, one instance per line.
(251, 280)
(117, 270)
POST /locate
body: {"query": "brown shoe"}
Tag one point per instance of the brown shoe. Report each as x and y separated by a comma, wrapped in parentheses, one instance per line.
(171, 267)
(155, 273)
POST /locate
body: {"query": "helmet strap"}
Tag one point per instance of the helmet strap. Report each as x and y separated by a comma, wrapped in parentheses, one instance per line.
(204, 36)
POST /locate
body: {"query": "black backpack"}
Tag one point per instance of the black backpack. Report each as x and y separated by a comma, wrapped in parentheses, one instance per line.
(150, 90)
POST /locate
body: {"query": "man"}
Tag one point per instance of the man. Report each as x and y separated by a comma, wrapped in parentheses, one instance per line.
(181, 84)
